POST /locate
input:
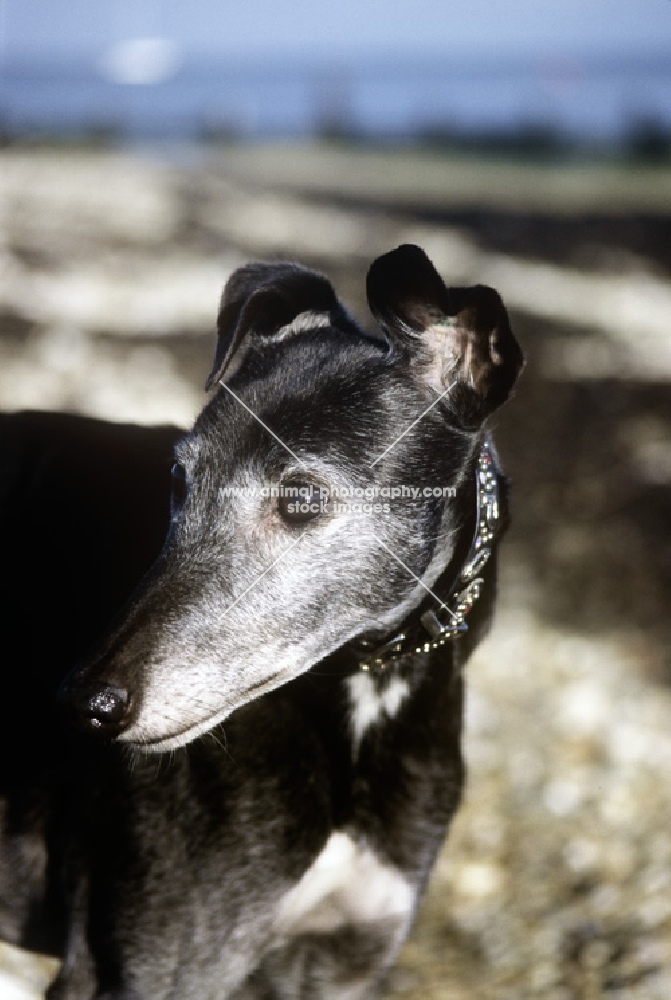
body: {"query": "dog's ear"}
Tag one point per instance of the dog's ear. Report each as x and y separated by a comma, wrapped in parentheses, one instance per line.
(459, 337)
(262, 299)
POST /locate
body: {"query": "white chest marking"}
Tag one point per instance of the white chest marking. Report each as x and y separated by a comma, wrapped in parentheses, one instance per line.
(347, 883)
(368, 705)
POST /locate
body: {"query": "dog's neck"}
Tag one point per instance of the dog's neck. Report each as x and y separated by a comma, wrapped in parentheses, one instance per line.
(441, 617)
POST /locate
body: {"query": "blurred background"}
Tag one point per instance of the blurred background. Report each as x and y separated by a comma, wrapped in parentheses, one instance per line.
(148, 148)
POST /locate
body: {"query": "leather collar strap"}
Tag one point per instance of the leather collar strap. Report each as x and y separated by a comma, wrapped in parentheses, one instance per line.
(441, 624)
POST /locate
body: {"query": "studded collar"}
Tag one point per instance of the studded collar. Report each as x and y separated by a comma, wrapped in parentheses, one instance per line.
(439, 625)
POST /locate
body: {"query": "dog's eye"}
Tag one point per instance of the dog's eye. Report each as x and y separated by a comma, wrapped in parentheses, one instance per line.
(178, 474)
(300, 502)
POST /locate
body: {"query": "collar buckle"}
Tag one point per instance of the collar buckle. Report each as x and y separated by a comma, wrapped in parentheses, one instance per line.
(459, 608)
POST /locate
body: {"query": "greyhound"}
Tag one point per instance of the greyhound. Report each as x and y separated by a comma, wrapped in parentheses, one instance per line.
(266, 750)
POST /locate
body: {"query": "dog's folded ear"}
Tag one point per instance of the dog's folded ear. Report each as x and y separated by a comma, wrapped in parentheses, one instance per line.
(458, 337)
(263, 299)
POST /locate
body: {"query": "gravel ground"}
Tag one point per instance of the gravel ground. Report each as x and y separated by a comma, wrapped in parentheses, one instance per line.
(555, 882)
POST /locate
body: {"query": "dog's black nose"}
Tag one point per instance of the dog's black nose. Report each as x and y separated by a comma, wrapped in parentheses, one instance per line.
(101, 708)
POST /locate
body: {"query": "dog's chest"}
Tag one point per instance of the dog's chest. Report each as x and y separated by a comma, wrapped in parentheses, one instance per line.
(346, 885)
(373, 702)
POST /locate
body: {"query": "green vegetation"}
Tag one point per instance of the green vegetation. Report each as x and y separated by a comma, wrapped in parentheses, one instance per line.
(429, 177)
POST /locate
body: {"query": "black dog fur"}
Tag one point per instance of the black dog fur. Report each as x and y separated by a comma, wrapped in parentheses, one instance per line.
(280, 846)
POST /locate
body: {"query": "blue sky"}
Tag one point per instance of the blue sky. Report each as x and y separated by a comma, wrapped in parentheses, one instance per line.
(459, 29)
(579, 65)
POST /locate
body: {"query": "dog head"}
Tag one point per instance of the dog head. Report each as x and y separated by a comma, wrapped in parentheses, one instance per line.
(320, 492)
